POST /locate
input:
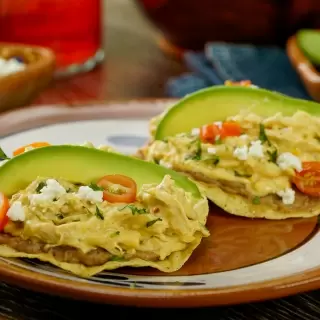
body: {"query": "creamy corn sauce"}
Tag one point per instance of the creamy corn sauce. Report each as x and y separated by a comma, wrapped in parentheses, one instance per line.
(164, 219)
(279, 144)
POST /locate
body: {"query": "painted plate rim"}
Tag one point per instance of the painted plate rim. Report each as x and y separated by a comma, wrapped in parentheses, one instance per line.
(38, 116)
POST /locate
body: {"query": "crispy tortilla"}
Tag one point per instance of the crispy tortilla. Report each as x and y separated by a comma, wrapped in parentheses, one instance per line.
(172, 263)
(239, 205)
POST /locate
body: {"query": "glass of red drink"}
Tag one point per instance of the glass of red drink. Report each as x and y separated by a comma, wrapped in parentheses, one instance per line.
(71, 28)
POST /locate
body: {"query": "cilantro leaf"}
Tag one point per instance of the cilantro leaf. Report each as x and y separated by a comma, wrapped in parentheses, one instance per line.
(135, 210)
(152, 222)
(256, 200)
(99, 213)
(216, 159)
(197, 153)
(273, 155)
(95, 187)
(41, 185)
(117, 258)
(115, 234)
(262, 134)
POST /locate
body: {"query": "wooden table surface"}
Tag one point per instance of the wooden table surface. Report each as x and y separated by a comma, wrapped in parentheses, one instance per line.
(134, 65)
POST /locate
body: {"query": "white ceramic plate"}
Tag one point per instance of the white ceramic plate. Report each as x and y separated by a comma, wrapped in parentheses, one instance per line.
(242, 261)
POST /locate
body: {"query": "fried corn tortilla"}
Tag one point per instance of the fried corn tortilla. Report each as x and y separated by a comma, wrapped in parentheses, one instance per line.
(268, 170)
(80, 233)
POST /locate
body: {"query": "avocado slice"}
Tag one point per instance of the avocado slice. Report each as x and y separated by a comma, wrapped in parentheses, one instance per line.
(84, 165)
(219, 102)
(309, 42)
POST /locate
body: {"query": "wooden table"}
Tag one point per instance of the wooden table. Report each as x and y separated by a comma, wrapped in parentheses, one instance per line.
(134, 64)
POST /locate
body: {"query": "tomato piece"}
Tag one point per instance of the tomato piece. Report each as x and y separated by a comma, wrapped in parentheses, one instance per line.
(33, 145)
(308, 180)
(128, 188)
(4, 207)
(209, 132)
(230, 129)
(242, 83)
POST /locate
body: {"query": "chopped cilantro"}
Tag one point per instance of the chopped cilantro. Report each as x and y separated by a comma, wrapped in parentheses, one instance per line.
(60, 216)
(152, 222)
(99, 214)
(115, 234)
(40, 186)
(215, 159)
(3, 156)
(256, 200)
(196, 154)
(273, 155)
(134, 209)
(262, 134)
(95, 187)
(117, 258)
(243, 175)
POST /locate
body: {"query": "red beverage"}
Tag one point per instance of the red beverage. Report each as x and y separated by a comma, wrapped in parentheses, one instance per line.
(72, 28)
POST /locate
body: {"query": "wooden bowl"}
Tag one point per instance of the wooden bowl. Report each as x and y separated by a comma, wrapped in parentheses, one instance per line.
(306, 70)
(20, 88)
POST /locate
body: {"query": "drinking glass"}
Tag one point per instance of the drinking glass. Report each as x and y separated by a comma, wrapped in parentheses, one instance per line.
(71, 28)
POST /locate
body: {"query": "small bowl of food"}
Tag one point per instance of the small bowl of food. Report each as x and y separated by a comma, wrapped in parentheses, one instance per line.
(24, 72)
(303, 50)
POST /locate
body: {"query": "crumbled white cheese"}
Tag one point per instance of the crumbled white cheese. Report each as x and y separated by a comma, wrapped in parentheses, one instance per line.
(287, 160)
(244, 137)
(256, 149)
(10, 66)
(212, 150)
(86, 193)
(39, 198)
(52, 190)
(16, 212)
(218, 124)
(241, 153)
(195, 131)
(287, 195)
(165, 164)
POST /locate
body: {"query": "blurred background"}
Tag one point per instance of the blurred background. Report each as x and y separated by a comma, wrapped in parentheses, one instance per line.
(76, 51)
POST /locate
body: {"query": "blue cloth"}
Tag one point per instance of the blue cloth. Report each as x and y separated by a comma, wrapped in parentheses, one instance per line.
(266, 67)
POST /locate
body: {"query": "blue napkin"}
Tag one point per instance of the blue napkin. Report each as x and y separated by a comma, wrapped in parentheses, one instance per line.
(266, 67)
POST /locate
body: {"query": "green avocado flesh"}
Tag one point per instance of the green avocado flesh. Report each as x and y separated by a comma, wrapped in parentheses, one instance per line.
(309, 42)
(83, 165)
(219, 102)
